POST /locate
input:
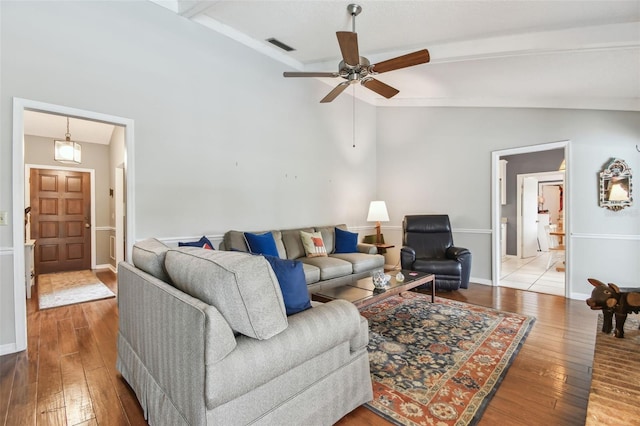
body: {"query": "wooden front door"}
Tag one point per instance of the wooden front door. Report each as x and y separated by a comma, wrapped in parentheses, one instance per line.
(60, 220)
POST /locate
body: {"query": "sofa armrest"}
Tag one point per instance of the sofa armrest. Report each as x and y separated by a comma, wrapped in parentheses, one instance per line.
(326, 327)
(367, 248)
(407, 257)
(171, 335)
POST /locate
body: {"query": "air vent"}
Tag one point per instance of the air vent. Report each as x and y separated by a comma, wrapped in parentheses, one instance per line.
(280, 44)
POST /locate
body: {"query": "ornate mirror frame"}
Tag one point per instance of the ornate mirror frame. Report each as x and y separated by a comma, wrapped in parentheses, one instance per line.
(616, 186)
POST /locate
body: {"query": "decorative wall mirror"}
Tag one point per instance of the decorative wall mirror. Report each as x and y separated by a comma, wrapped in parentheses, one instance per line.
(616, 186)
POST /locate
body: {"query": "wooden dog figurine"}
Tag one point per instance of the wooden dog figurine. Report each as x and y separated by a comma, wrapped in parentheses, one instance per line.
(613, 300)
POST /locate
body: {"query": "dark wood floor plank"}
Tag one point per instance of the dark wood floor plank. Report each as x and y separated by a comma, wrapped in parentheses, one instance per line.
(67, 336)
(51, 410)
(7, 371)
(106, 403)
(88, 348)
(49, 374)
(77, 316)
(22, 405)
(129, 401)
(77, 399)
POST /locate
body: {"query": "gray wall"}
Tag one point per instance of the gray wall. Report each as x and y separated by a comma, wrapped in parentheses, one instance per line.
(221, 139)
(534, 162)
(438, 160)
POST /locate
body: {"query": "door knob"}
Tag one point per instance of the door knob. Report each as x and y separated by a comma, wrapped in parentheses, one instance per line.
(87, 225)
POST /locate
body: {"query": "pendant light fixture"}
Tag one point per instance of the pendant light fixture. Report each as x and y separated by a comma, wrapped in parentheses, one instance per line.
(67, 151)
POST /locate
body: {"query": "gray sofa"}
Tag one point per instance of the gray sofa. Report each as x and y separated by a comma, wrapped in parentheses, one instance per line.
(320, 272)
(203, 339)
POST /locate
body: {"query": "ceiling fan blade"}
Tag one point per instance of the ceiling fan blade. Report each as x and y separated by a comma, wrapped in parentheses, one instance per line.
(335, 92)
(348, 42)
(404, 61)
(380, 87)
(310, 74)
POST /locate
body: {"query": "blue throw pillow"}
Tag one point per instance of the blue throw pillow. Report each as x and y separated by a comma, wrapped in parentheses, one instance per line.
(346, 242)
(290, 275)
(202, 243)
(261, 243)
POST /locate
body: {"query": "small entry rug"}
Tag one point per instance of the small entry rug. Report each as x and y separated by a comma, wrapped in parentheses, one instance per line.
(438, 363)
(68, 288)
(615, 378)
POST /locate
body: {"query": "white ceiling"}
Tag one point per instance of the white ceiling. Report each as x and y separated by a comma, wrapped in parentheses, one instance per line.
(560, 53)
(509, 53)
(55, 126)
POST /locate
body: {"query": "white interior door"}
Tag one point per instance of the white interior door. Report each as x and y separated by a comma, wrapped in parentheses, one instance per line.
(529, 217)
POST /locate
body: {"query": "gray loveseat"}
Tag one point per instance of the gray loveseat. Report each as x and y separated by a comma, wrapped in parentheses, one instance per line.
(320, 272)
(203, 339)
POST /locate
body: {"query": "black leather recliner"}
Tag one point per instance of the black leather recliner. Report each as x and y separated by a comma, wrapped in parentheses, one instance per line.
(428, 247)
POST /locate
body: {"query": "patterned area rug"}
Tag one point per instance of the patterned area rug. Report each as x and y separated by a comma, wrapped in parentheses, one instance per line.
(68, 288)
(615, 380)
(438, 364)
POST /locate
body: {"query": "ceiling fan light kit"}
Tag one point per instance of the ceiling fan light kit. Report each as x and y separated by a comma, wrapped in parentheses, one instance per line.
(355, 68)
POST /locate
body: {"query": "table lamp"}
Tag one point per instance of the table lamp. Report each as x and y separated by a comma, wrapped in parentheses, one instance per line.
(378, 213)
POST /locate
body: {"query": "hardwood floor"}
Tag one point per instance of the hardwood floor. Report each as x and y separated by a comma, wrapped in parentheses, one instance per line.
(68, 375)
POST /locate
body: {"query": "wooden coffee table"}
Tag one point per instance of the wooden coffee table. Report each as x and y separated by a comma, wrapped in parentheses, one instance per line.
(362, 292)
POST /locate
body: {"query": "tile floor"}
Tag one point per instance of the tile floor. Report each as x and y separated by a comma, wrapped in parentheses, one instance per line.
(532, 274)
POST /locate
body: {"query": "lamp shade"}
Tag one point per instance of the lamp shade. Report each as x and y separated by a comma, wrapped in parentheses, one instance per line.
(378, 212)
(67, 152)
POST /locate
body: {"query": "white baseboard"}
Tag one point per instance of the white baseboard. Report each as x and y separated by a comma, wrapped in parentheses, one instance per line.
(579, 296)
(7, 349)
(106, 266)
(482, 281)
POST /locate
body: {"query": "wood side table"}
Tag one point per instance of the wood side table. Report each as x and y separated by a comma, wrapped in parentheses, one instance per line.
(382, 247)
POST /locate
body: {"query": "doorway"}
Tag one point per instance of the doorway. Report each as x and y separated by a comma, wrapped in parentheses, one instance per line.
(540, 199)
(20, 106)
(498, 220)
(60, 219)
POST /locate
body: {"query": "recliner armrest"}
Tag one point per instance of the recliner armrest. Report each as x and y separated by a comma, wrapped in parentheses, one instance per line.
(456, 252)
(407, 257)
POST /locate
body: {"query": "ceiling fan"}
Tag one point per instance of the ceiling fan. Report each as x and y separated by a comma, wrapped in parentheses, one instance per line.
(354, 68)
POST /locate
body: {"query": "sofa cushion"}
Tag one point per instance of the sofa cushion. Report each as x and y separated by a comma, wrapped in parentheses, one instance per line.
(293, 243)
(149, 255)
(361, 262)
(234, 241)
(328, 238)
(241, 286)
(292, 282)
(202, 243)
(311, 273)
(313, 244)
(261, 243)
(346, 242)
(330, 267)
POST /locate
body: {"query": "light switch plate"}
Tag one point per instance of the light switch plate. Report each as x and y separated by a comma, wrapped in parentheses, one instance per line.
(4, 218)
